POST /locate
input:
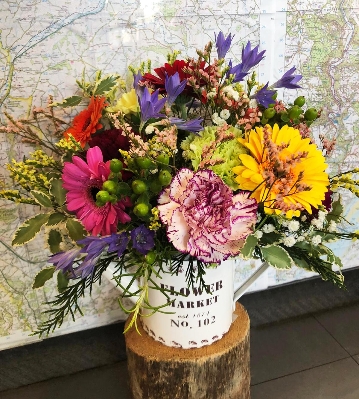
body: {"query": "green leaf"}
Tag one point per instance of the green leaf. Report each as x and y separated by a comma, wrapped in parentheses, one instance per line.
(54, 240)
(43, 276)
(68, 102)
(270, 238)
(56, 218)
(75, 229)
(58, 191)
(277, 256)
(28, 230)
(249, 245)
(302, 263)
(106, 84)
(41, 198)
(336, 212)
(62, 281)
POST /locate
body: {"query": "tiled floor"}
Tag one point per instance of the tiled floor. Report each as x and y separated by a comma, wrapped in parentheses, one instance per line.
(314, 357)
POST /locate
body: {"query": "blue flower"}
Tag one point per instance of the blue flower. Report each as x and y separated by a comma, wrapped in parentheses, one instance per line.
(117, 243)
(138, 89)
(288, 80)
(193, 125)
(223, 44)
(264, 96)
(174, 87)
(150, 105)
(143, 239)
(64, 260)
(250, 58)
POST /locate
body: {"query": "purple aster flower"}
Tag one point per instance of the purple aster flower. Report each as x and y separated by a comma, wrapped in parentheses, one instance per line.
(143, 239)
(117, 243)
(223, 44)
(250, 58)
(150, 105)
(288, 80)
(174, 87)
(264, 96)
(193, 125)
(64, 260)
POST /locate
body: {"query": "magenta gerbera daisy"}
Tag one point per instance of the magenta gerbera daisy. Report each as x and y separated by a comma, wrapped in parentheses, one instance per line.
(82, 181)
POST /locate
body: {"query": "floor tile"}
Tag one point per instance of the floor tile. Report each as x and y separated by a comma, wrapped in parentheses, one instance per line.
(343, 324)
(109, 382)
(289, 347)
(338, 380)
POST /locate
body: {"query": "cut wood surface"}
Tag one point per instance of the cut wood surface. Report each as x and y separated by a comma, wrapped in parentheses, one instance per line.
(217, 371)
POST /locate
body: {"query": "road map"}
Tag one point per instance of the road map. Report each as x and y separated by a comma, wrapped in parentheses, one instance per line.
(45, 45)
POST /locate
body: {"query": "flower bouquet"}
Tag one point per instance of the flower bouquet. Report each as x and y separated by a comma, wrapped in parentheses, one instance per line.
(195, 164)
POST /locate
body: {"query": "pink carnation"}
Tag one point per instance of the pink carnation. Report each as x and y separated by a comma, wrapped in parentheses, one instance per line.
(82, 181)
(203, 217)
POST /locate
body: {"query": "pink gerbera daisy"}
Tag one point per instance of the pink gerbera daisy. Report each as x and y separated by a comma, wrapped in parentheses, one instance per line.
(82, 181)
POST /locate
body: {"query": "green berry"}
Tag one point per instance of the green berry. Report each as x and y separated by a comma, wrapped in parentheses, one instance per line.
(138, 186)
(300, 101)
(163, 159)
(294, 112)
(155, 186)
(310, 114)
(102, 197)
(269, 113)
(116, 165)
(141, 209)
(151, 257)
(144, 163)
(165, 177)
(110, 186)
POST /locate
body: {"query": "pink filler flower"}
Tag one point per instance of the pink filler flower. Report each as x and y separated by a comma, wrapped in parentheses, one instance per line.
(203, 217)
(83, 180)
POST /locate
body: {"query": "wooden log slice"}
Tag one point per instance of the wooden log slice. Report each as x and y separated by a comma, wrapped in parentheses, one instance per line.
(217, 371)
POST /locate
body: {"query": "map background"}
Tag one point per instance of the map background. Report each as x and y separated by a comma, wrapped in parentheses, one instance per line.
(45, 45)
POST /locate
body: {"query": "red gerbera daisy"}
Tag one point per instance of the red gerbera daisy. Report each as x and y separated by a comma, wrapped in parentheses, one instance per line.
(87, 121)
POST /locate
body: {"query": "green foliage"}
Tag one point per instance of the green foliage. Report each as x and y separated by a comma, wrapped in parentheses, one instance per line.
(28, 230)
(56, 218)
(62, 281)
(58, 191)
(249, 245)
(336, 212)
(68, 102)
(75, 229)
(54, 240)
(277, 256)
(43, 276)
(105, 85)
(41, 198)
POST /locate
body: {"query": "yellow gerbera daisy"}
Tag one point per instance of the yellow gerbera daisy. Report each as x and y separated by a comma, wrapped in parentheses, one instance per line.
(127, 103)
(284, 171)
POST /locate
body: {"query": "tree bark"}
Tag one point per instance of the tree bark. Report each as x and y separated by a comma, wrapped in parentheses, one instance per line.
(218, 371)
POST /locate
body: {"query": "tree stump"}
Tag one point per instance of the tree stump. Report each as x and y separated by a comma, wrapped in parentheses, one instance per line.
(217, 371)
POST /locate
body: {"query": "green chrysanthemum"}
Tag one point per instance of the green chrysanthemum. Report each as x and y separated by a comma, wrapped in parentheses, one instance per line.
(223, 155)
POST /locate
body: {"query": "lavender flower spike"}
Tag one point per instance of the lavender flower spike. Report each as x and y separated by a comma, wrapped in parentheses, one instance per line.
(174, 87)
(288, 80)
(138, 89)
(264, 96)
(250, 58)
(150, 105)
(223, 44)
(193, 125)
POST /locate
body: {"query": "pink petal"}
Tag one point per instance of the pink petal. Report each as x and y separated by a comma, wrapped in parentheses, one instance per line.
(178, 232)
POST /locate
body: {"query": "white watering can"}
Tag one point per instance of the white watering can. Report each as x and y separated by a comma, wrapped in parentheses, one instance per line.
(194, 317)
